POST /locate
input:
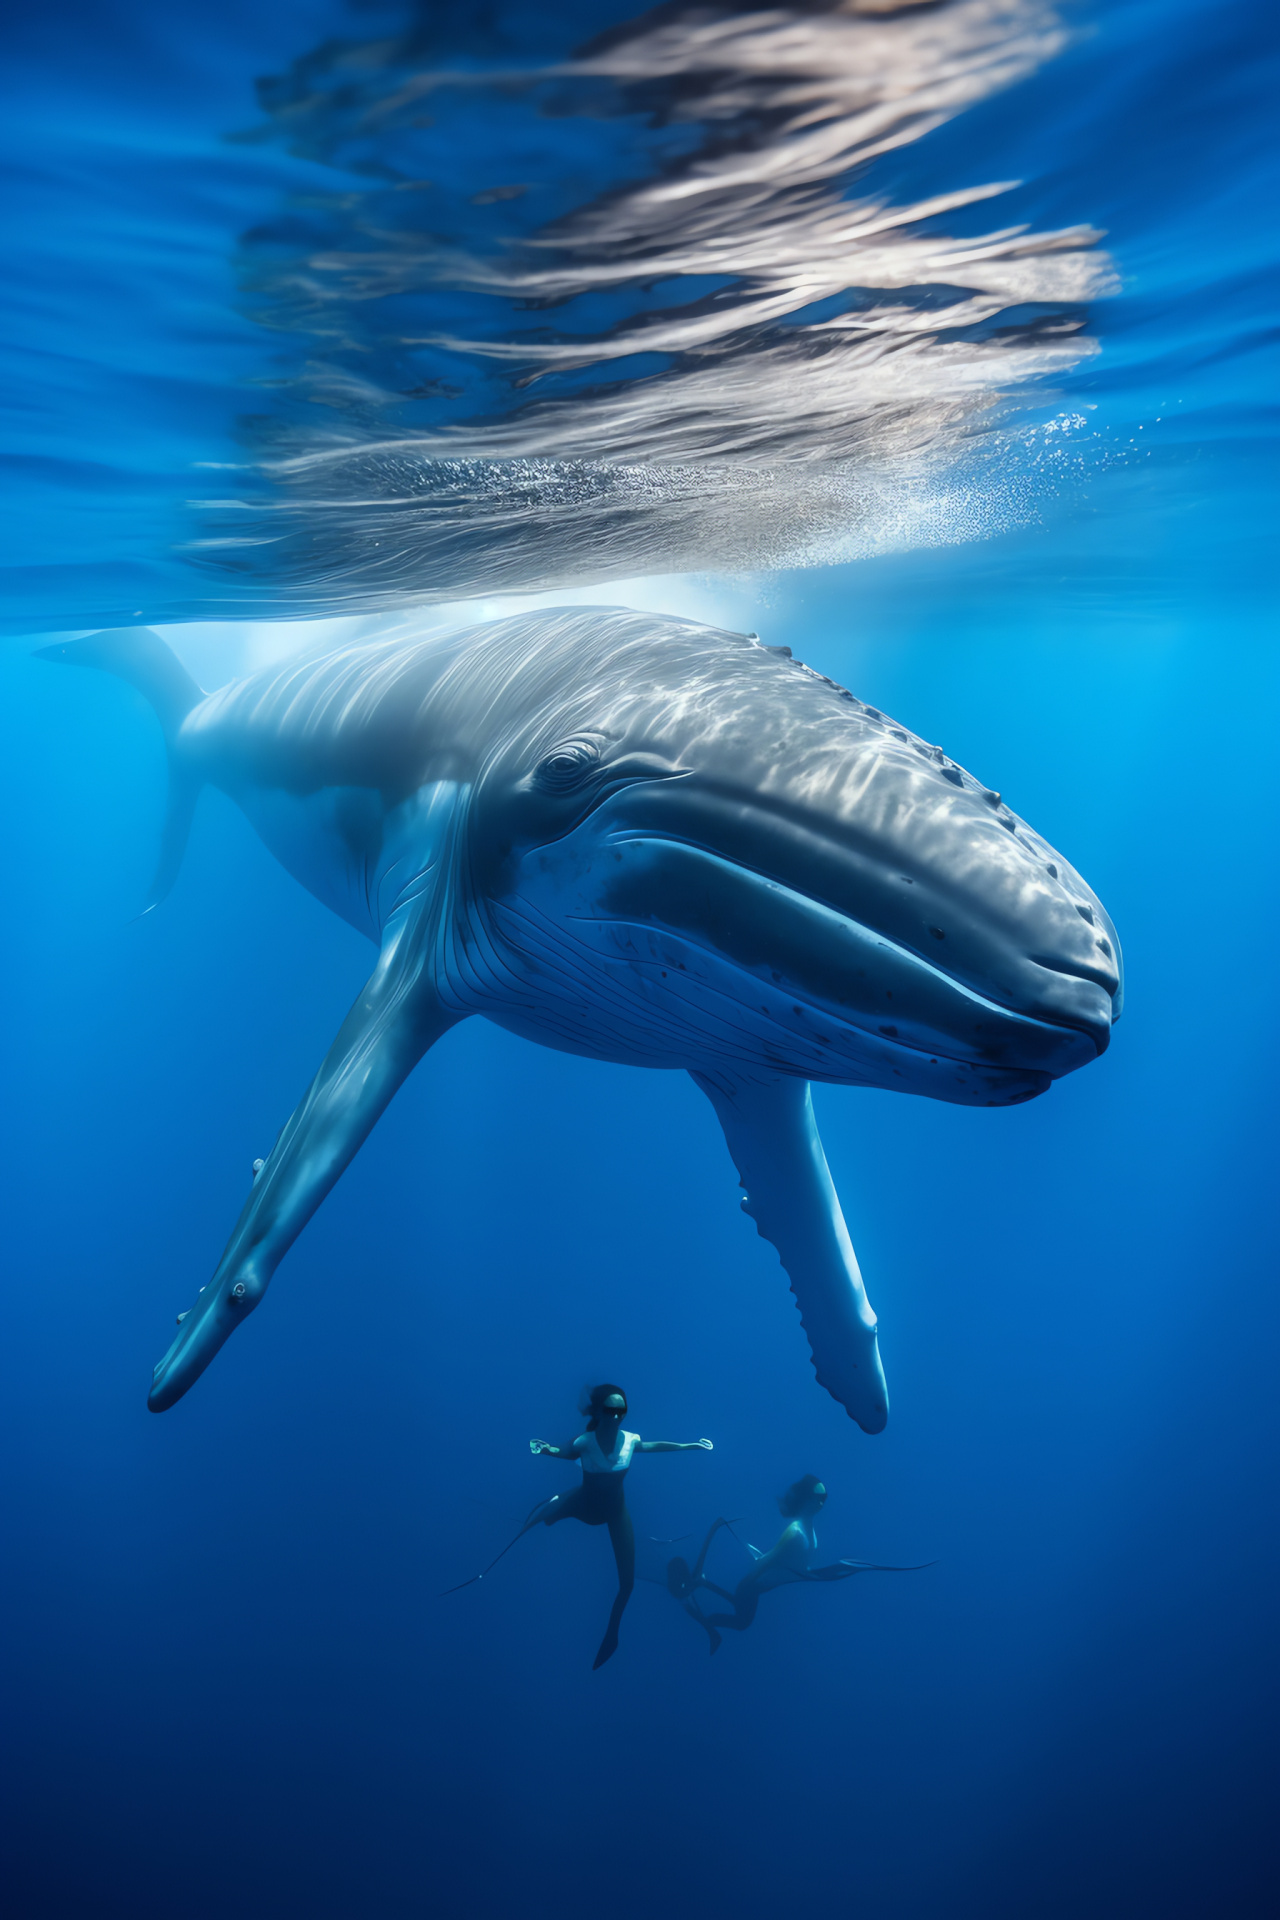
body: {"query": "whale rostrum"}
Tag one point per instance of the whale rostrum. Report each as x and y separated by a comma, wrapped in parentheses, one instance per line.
(649, 841)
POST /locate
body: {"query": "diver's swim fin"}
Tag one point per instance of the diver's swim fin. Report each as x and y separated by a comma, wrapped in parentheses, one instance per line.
(497, 1556)
(844, 1569)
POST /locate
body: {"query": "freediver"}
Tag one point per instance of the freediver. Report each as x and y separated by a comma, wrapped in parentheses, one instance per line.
(787, 1563)
(605, 1452)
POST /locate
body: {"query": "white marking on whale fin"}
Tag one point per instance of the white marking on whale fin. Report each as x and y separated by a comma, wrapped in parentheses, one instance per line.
(772, 1135)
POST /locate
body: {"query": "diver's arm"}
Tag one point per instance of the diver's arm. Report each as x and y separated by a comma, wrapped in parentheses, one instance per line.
(553, 1453)
(673, 1446)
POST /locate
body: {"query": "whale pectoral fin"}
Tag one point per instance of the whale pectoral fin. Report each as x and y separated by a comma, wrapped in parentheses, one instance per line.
(772, 1135)
(395, 1019)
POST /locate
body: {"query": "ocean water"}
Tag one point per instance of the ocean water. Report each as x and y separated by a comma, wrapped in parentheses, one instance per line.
(937, 343)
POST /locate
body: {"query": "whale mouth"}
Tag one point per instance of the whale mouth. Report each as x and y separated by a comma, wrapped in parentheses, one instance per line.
(856, 975)
(1002, 914)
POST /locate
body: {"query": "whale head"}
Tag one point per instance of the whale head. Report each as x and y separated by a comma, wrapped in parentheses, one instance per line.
(689, 848)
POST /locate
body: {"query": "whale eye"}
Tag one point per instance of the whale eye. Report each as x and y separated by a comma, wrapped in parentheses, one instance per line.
(567, 765)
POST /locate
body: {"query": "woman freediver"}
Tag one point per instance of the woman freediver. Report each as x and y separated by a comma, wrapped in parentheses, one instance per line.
(788, 1562)
(605, 1452)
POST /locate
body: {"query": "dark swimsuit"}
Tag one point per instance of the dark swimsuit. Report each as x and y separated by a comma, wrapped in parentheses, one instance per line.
(596, 1502)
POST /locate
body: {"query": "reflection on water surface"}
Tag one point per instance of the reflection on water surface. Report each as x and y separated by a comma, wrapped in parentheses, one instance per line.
(645, 308)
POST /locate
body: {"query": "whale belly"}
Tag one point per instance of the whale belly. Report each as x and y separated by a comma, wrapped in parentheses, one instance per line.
(648, 996)
(330, 841)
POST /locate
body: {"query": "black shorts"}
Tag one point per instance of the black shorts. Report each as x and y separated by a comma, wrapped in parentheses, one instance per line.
(596, 1502)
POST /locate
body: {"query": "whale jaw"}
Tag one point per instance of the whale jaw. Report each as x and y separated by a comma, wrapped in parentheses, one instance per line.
(643, 948)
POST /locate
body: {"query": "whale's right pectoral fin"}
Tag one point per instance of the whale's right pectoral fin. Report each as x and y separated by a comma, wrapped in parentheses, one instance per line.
(772, 1135)
(394, 1021)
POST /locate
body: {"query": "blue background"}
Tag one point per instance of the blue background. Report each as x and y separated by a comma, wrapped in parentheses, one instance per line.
(230, 1686)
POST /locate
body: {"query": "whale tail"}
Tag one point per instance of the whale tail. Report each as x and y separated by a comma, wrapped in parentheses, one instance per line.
(138, 655)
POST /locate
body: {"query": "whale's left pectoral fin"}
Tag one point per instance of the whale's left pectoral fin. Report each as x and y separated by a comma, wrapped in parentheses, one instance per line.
(395, 1019)
(788, 1191)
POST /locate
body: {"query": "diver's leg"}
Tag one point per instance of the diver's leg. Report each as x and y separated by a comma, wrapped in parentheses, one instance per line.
(683, 1580)
(711, 1587)
(623, 1536)
(701, 1560)
(545, 1513)
(561, 1506)
(745, 1599)
(681, 1584)
(707, 1625)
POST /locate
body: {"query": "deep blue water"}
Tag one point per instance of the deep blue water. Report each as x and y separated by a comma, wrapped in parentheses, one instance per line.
(230, 1687)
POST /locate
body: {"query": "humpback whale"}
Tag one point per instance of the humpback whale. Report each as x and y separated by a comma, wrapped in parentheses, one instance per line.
(644, 840)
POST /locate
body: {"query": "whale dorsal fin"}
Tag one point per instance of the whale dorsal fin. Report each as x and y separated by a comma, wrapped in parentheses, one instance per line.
(140, 656)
